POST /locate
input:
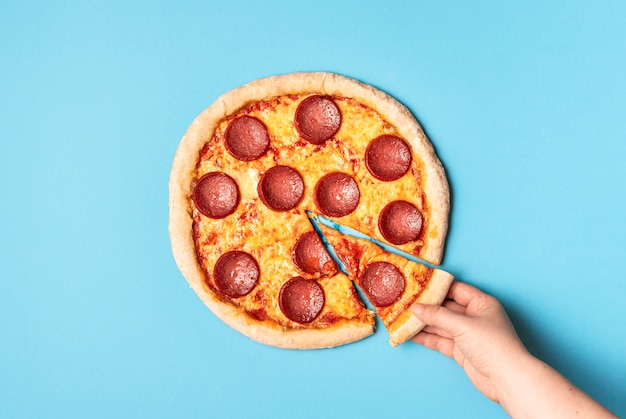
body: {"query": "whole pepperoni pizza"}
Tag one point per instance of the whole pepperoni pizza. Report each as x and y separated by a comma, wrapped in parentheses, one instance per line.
(248, 168)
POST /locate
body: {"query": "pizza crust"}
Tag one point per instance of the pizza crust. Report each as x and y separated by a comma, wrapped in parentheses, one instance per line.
(180, 218)
(340, 333)
(435, 293)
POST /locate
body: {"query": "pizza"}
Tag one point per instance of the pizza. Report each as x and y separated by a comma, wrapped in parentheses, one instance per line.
(253, 162)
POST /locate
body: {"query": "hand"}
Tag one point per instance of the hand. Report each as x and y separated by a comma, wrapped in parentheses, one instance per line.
(472, 328)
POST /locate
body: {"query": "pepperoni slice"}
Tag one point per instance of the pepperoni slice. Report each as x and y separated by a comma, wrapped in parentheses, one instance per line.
(388, 157)
(310, 255)
(281, 188)
(337, 194)
(236, 273)
(400, 222)
(301, 300)
(317, 119)
(383, 283)
(246, 138)
(216, 195)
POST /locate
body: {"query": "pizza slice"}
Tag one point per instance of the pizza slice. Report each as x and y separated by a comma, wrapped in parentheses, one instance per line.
(390, 282)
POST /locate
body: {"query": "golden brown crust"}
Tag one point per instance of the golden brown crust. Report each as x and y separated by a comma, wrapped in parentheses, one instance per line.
(182, 175)
(434, 293)
(340, 333)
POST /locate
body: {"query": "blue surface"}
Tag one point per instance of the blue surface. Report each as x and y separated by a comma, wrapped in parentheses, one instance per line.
(526, 106)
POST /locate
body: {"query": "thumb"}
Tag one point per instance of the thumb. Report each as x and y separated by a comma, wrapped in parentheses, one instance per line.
(438, 316)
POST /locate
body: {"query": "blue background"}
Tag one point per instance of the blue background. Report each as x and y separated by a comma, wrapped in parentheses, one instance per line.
(526, 106)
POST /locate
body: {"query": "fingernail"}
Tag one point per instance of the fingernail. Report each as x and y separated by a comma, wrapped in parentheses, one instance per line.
(417, 308)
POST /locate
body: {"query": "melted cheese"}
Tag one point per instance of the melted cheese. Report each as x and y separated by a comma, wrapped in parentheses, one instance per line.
(269, 235)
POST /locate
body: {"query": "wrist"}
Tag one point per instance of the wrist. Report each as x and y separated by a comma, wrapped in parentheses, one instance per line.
(514, 373)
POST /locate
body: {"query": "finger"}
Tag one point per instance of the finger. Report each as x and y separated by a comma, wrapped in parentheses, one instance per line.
(463, 293)
(434, 330)
(454, 306)
(435, 342)
(439, 316)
